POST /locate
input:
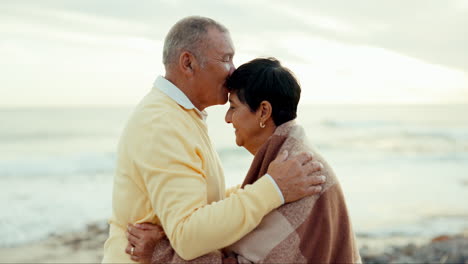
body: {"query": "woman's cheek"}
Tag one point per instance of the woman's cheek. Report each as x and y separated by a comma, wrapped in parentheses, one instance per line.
(234, 118)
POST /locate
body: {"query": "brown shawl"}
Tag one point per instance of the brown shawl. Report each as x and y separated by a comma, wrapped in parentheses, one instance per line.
(315, 229)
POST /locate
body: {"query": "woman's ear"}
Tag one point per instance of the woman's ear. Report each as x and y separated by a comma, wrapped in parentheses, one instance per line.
(265, 111)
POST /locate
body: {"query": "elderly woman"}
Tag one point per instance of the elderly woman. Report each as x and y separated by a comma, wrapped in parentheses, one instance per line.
(263, 102)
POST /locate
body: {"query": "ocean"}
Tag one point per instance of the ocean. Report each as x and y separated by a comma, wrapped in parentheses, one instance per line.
(403, 168)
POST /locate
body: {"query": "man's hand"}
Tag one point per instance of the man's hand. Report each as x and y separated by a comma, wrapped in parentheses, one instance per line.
(293, 176)
(143, 238)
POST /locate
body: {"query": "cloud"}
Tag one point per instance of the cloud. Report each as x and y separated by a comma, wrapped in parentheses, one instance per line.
(348, 48)
(430, 30)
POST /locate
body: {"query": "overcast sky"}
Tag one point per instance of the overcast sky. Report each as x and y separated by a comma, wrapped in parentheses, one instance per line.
(88, 52)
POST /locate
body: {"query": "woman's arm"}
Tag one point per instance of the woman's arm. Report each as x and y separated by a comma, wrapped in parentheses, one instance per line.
(152, 246)
(142, 240)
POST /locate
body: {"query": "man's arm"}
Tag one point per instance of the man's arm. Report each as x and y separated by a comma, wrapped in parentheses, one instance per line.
(232, 190)
(177, 187)
(195, 227)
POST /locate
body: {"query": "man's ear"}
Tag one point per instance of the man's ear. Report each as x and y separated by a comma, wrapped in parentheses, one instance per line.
(265, 111)
(186, 61)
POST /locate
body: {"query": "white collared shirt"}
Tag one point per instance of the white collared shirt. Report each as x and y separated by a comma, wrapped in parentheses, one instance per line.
(179, 97)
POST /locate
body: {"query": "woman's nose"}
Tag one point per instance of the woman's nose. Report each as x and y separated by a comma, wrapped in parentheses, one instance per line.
(227, 117)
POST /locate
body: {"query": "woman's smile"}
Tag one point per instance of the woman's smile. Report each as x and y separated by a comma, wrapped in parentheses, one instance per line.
(249, 134)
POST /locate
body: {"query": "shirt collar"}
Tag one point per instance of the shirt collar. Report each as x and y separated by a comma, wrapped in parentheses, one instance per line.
(177, 95)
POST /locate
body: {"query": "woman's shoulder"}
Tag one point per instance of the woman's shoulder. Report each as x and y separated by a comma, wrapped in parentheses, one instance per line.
(297, 142)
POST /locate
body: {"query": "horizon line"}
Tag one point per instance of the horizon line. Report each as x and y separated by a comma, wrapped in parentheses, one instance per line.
(71, 106)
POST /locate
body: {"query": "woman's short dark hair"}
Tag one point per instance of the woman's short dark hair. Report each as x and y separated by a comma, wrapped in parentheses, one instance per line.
(265, 79)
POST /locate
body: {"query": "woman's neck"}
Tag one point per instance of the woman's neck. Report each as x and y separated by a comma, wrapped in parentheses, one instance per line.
(260, 139)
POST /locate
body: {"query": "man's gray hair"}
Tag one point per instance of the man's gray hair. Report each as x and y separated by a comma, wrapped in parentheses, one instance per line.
(188, 35)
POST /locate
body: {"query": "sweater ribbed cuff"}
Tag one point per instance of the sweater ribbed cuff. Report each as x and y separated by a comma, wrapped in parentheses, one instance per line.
(277, 188)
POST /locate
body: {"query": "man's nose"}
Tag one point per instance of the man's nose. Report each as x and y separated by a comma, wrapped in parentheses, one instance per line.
(232, 68)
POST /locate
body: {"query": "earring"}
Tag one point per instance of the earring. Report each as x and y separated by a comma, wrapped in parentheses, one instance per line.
(262, 125)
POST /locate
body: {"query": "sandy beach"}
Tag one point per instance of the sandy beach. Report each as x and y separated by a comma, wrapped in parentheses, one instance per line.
(75, 247)
(86, 247)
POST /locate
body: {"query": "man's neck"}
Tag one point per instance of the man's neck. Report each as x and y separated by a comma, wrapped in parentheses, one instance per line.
(180, 83)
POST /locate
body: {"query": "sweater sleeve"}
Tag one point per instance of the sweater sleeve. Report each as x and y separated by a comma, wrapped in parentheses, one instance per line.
(232, 190)
(171, 164)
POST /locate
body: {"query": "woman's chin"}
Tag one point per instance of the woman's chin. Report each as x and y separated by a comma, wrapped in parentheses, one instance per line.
(238, 142)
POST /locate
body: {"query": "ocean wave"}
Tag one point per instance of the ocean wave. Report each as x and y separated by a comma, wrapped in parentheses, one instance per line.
(52, 206)
(21, 137)
(359, 123)
(404, 128)
(396, 144)
(425, 227)
(415, 140)
(58, 165)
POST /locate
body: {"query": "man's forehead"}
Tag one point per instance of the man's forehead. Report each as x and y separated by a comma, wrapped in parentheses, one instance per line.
(221, 41)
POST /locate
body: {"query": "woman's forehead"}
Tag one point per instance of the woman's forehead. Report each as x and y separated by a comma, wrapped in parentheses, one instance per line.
(233, 97)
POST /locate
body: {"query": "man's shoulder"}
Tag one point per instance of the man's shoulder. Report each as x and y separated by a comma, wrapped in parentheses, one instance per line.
(153, 125)
(158, 118)
(156, 110)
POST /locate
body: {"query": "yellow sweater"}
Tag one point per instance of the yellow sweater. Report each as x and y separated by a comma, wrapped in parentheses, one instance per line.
(168, 173)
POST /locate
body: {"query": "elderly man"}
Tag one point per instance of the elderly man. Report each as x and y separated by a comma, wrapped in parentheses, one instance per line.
(168, 172)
